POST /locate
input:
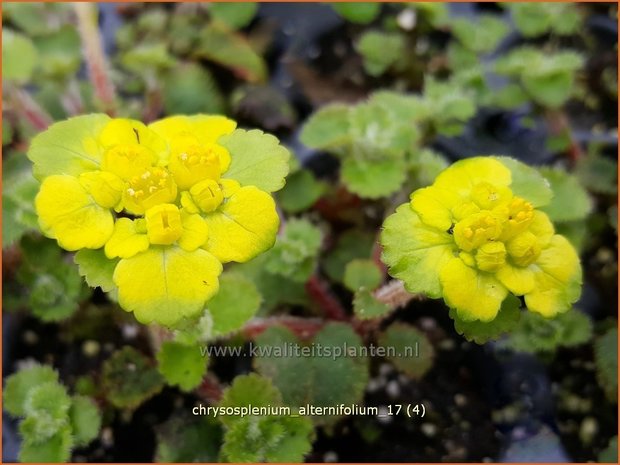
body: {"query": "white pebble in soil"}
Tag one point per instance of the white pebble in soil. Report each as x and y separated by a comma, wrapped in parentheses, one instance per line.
(428, 429)
(130, 331)
(407, 19)
(385, 369)
(393, 389)
(330, 457)
(30, 337)
(375, 384)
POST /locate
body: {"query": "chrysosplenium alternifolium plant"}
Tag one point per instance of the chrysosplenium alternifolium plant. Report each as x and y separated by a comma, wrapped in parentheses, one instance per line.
(160, 208)
(476, 235)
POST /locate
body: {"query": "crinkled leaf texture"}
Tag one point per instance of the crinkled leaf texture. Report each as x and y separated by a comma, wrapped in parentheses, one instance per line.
(408, 349)
(181, 365)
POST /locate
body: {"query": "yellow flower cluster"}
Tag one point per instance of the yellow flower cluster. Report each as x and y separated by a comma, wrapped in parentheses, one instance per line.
(469, 239)
(159, 203)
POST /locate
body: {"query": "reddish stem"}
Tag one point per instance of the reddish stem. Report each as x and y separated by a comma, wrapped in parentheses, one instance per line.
(304, 328)
(210, 389)
(30, 110)
(318, 290)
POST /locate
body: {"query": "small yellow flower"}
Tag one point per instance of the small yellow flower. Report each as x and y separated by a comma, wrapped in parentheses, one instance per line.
(469, 239)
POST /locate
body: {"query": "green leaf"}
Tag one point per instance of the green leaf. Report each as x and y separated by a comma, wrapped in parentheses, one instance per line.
(189, 88)
(301, 191)
(129, 378)
(187, 439)
(362, 273)
(610, 453)
(408, 349)
(236, 302)
(85, 420)
(508, 97)
(367, 307)
(181, 365)
(235, 15)
(373, 179)
(606, 359)
(535, 19)
(328, 127)
(258, 159)
(268, 439)
(46, 407)
(570, 201)
(426, 166)
(96, 268)
(60, 53)
(481, 36)
(19, 189)
(403, 107)
(350, 245)
(18, 386)
(452, 106)
(55, 449)
(358, 12)
(535, 333)
(326, 379)
(148, 58)
(219, 44)
(19, 56)
(249, 389)
(296, 250)
(480, 332)
(37, 18)
(528, 182)
(599, 174)
(380, 50)
(67, 147)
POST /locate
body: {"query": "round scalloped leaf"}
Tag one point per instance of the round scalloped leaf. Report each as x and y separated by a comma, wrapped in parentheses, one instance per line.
(235, 15)
(19, 56)
(408, 349)
(325, 380)
(188, 439)
(236, 302)
(380, 50)
(528, 182)
(96, 268)
(606, 359)
(68, 147)
(129, 378)
(268, 439)
(373, 179)
(18, 386)
(181, 365)
(570, 200)
(301, 191)
(249, 389)
(362, 273)
(482, 35)
(358, 12)
(85, 420)
(257, 159)
(366, 307)
(327, 128)
(481, 332)
(55, 449)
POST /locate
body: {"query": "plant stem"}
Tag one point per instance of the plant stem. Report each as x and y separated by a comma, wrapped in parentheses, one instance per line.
(318, 290)
(395, 295)
(31, 111)
(559, 124)
(94, 55)
(304, 328)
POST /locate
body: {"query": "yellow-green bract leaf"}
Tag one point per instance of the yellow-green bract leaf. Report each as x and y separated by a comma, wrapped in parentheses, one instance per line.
(68, 147)
(367, 307)
(182, 365)
(129, 378)
(258, 159)
(362, 273)
(380, 51)
(527, 182)
(237, 301)
(334, 378)
(570, 201)
(96, 268)
(480, 331)
(408, 349)
(225, 47)
(85, 420)
(19, 56)
(55, 449)
(358, 12)
(414, 252)
(328, 127)
(235, 15)
(18, 386)
(373, 179)
(166, 284)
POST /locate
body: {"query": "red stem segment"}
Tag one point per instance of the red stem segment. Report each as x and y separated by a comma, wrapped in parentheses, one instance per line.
(318, 290)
